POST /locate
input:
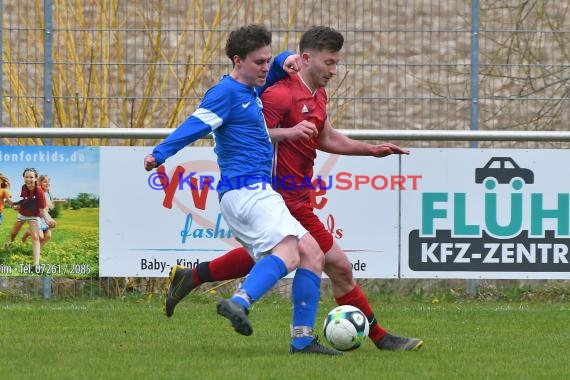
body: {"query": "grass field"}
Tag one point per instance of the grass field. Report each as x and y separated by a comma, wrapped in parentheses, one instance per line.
(131, 338)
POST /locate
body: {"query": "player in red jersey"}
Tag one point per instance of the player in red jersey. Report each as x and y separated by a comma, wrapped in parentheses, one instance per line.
(296, 113)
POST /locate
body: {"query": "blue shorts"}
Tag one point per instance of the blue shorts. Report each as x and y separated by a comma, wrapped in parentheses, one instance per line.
(42, 224)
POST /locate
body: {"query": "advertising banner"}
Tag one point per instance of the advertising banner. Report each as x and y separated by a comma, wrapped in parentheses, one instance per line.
(437, 213)
(151, 221)
(70, 176)
(494, 214)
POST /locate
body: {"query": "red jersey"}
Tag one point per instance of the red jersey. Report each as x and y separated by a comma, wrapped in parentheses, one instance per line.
(285, 104)
(35, 199)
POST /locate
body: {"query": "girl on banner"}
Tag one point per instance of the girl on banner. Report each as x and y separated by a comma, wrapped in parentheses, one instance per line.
(31, 208)
(45, 184)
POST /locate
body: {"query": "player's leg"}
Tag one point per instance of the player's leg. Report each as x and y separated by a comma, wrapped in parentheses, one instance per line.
(182, 280)
(260, 220)
(345, 289)
(25, 235)
(46, 238)
(337, 265)
(306, 294)
(35, 237)
(262, 277)
(348, 292)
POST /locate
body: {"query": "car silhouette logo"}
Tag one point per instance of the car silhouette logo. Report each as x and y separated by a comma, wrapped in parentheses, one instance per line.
(503, 170)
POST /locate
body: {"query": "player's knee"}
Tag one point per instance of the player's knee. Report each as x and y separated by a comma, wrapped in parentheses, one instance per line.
(288, 251)
(339, 271)
(314, 263)
(311, 255)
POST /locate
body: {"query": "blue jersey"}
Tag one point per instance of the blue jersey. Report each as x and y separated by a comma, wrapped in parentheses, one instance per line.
(233, 112)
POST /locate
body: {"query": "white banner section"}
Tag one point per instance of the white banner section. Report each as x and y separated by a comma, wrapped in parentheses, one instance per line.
(150, 221)
(494, 214)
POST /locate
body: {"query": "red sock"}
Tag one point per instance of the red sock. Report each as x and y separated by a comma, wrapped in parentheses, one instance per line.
(357, 298)
(234, 264)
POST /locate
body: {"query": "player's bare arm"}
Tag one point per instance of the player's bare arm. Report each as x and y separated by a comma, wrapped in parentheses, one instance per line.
(332, 141)
(387, 149)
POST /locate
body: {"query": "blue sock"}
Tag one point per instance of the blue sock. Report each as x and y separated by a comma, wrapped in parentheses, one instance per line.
(264, 274)
(306, 295)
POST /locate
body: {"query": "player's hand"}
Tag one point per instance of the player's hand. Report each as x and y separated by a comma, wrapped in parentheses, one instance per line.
(51, 223)
(149, 162)
(292, 64)
(305, 130)
(387, 149)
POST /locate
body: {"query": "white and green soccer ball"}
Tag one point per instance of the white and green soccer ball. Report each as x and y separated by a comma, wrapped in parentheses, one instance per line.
(345, 327)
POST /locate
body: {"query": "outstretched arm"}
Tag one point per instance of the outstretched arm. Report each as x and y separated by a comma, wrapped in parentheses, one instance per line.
(189, 131)
(332, 141)
(209, 115)
(285, 63)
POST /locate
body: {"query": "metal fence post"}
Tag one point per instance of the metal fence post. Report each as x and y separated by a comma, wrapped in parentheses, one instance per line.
(472, 284)
(47, 287)
(48, 104)
(48, 64)
(474, 68)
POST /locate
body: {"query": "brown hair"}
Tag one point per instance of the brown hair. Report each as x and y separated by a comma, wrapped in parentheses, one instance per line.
(246, 39)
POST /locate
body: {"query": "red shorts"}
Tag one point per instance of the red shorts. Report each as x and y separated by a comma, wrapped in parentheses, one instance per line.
(313, 224)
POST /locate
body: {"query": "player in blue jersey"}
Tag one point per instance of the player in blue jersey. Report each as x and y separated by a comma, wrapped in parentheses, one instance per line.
(256, 214)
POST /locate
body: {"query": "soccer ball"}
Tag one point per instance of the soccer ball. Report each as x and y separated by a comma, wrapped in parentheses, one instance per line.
(345, 327)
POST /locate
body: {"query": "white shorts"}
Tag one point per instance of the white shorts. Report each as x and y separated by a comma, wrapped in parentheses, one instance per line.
(259, 219)
(22, 218)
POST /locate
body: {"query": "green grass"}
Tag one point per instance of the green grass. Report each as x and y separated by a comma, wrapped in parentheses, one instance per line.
(74, 244)
(108, 339)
